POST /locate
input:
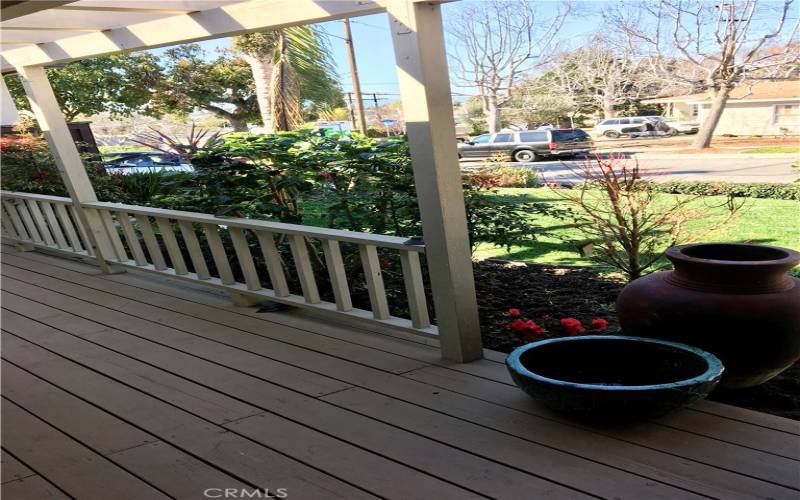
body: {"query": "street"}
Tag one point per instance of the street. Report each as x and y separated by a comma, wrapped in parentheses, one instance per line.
(666, 168)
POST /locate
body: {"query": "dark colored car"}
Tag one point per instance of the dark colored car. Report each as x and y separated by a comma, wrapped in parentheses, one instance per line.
(529, 145)
(126, 162)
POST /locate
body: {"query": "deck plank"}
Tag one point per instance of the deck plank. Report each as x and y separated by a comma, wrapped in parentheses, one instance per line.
(228, 451)
(372, 475)
(170, 470)
(403, 446)
(12, 469)
(392, 399)
(213, 304)
(31, 488)
(667, 469)
(76, 469)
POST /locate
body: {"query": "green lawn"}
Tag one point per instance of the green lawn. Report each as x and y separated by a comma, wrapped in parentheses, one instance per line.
(773, 149)
(770, 222)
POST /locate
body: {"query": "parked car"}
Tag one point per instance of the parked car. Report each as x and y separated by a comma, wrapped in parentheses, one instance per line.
(616, 127)
(528, 145)
(126, 162)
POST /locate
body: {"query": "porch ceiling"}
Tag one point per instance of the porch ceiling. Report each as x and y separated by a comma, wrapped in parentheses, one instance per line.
(47, 33)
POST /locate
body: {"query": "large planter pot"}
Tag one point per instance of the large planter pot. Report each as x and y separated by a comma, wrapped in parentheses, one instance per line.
(736, 301)
(613, 378)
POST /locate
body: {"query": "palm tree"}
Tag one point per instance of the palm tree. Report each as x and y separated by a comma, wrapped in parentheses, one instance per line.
(290, 66)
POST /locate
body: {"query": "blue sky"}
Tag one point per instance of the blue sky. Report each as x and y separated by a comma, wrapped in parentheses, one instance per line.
(375, 56)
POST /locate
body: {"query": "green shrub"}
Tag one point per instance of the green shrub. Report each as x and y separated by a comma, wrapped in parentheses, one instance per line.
(504, 176)
(29, 167)
(147, 187)
(755, 190)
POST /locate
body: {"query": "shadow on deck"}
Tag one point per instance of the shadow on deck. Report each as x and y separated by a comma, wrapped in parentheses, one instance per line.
(130, 386)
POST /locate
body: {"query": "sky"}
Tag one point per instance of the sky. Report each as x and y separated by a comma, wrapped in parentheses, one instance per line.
(375, 55)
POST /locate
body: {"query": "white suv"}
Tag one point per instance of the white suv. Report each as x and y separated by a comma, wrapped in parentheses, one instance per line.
(612, 127)
(615, 127)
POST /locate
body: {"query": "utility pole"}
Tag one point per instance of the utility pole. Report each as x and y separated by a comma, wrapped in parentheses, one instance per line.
(351, 57)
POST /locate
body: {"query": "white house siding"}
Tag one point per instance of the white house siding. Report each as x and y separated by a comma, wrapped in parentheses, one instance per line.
(743, 118)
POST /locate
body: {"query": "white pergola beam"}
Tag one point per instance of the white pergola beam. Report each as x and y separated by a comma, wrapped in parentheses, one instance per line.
(67, 158)
(229, 20)
(419, 48)
(134, 10)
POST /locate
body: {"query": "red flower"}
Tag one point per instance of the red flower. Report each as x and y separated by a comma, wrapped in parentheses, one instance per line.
(572, 326)
(545, 317)
(519, 325)
(513, 312)
(325, 174)
(599, 324)
(533, 327)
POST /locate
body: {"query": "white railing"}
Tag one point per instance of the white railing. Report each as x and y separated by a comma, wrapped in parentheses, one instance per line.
(51, 222)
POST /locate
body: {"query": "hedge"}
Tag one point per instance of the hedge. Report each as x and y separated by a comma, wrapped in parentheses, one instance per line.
(754, 190)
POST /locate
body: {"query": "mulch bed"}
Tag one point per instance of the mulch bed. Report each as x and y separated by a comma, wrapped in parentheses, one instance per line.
(536, 290)
(584, 294)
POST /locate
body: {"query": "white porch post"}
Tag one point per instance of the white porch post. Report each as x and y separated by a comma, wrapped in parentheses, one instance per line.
(8, 110)
(427, 105)
(67, 158)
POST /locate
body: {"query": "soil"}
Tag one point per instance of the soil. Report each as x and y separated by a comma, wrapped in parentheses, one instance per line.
(584, 294)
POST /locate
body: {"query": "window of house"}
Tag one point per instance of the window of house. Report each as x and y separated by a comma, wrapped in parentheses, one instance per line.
(504, 138)
(695, 110)
(787, 114)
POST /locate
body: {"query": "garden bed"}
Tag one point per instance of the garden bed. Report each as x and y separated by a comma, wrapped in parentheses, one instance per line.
(584, 294)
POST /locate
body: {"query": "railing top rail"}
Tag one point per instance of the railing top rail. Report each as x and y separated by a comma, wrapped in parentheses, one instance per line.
(34, 196)
(259, 225)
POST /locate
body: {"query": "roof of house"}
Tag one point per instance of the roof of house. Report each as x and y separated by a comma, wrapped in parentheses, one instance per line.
(774, 90)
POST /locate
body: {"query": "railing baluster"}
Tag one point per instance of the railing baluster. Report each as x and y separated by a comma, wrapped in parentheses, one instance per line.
(195, 252)
(415, 289)
(87, 244)
(372, 271)
(41, 224)
(8, 226)
(52, 222)
(132, 239)
(113, 235)
(218, 254)
(19, 226)
(69, 229)
(22, 208)
(173, 249)
(305, 273)
(245, 258)
(272, 258)
(151, 242)
(336, 271)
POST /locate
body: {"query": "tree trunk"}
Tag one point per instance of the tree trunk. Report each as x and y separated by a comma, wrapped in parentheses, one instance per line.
(703, 138)
(237, 123)
(608, 109)
(261, 66)
(493, 115)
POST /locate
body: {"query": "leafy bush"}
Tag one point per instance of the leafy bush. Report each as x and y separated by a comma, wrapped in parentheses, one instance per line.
(28, 166)
(504, 176)
(145, 188)
(616, 211)
(754, 190)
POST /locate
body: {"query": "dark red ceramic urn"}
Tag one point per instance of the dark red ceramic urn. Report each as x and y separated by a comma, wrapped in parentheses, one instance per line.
(736, 301)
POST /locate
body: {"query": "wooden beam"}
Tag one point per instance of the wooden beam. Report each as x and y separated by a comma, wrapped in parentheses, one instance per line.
(234, 19)
(11, 10)
(132, 10)
(48, 115)
(49, 28)
(427, 106)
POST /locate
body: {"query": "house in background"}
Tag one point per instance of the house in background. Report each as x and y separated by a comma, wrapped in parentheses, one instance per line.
(754, 108)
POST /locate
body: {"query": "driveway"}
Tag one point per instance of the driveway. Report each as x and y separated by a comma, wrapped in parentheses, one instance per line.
(714, 168)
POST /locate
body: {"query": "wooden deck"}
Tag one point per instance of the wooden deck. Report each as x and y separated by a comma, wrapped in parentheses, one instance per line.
(130, 387)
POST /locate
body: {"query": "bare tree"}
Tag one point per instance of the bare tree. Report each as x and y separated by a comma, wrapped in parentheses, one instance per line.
(713, 46)
(495, 43)
(603, 74)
